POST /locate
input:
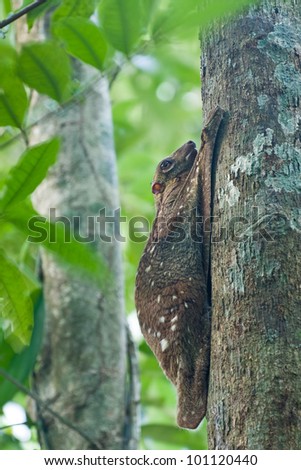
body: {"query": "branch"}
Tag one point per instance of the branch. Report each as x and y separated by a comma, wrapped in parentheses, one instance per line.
(132, 418)
(8, 426)
(46, 407)
(20, 13)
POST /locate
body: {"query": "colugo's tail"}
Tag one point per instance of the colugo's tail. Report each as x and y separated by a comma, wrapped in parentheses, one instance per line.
(191, 407)
(192, 388)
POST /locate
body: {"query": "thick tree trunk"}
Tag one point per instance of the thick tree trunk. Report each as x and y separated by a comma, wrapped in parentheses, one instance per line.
(82, 369)
(251, 67)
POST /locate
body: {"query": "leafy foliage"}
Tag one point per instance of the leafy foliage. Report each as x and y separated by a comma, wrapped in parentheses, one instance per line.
(75, 8)
(60, 241)
(82, 39)
(15, 305)
(31, 169)
(180, 20)
(156, 107)
(46, 68)
(21, 365)
(40, 10)
(13, 98)
(121, 22)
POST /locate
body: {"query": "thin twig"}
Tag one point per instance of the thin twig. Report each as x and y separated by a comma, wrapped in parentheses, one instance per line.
(46, 407)
(8, 426)
(20, 13)
(132, 427)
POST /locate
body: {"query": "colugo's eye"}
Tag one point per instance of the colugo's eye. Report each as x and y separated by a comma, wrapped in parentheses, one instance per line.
(166, 165)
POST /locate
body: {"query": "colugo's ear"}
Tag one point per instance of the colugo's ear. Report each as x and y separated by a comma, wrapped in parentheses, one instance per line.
(158, 187)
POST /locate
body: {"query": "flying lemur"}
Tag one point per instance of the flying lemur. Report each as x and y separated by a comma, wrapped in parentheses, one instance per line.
(172, 279)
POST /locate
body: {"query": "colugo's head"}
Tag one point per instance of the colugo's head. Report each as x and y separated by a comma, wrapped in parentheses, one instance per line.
(173, 169)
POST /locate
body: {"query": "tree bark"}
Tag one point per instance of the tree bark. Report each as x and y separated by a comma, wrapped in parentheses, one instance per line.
(82, 368)
(251, 67)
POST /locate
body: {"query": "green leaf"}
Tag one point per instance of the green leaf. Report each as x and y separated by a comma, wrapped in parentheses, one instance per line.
(184, 19)
(13, 101)
(215, 9)
(38, 11)
(28, 173)
(58, 239)
(122, 23)
(21, 365)
(15, 305)
(68, 8)
(46, 68)
(8, 57)
(13, 98)
(83, 39)
(149, 8)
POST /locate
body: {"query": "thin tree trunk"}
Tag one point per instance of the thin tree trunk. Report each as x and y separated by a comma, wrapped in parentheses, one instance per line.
(82, 367)
(251, 67)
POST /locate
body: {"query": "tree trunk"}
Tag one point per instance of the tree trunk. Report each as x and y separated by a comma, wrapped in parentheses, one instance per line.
(251, 67)
(82, 368)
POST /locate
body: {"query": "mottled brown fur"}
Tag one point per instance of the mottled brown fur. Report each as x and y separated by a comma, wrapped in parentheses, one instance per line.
(171, 285)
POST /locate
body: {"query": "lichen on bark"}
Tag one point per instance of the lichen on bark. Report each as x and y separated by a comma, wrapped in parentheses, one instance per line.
(81, 371)
(251, 67)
